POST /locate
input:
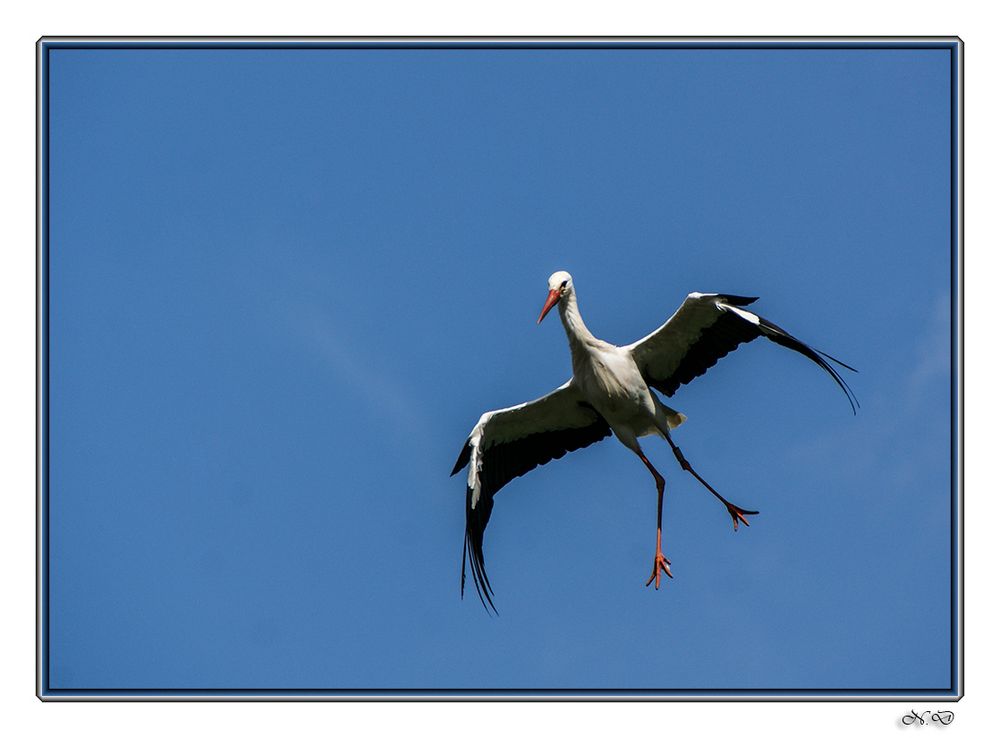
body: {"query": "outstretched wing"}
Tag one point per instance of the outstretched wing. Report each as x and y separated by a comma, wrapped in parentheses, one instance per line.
(706, 328)
(508, 443)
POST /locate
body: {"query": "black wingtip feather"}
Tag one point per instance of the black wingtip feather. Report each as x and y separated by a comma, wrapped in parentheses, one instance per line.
(463, 458)
(838, 361)
(783, 338)
(475, 526)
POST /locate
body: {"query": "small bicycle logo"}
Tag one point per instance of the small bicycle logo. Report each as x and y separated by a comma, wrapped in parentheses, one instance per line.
(941, 717)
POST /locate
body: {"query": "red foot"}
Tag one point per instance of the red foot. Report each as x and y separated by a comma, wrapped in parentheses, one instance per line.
(660, 564)
(737, 514)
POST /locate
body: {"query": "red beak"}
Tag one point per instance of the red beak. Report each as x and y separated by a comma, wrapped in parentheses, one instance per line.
(551, 300)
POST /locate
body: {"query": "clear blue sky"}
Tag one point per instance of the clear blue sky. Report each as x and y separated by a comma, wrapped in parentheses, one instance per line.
(285, 284)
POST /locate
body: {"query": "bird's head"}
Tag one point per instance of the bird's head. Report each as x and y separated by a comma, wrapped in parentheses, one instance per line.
(560, 285)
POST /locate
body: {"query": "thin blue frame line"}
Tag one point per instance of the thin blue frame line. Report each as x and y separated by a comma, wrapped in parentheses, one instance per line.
(44, 360)
(956, 342)
(47, 45)
(471, 45)
(458, 692)
(952, 345)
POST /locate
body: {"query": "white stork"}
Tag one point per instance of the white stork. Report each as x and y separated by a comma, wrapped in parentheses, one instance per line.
(611, 392)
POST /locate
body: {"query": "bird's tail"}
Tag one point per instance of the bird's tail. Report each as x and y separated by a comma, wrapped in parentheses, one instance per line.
(672, 417)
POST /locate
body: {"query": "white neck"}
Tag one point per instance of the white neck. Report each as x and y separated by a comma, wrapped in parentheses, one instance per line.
(576, 330)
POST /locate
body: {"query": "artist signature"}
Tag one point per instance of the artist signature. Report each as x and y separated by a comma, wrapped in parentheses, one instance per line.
(941, 717)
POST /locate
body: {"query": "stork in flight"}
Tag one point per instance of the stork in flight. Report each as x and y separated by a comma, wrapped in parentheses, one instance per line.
(611, 392)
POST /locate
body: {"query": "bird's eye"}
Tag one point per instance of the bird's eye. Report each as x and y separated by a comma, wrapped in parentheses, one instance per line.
(563, 285)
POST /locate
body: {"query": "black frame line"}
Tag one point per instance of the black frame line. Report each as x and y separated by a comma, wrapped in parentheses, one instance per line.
(563, 43)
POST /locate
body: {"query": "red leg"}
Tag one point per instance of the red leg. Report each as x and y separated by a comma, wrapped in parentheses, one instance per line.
(737, 513)
(661, 564)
